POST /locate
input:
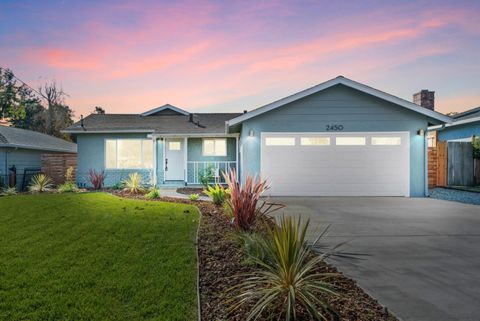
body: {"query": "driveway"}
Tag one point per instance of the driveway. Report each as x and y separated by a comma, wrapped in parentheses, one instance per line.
(419, 257)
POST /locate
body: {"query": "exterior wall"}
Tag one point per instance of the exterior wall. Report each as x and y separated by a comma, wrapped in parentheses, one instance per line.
(460, 131)
(21, 158)
(356, 111)
(91, 155)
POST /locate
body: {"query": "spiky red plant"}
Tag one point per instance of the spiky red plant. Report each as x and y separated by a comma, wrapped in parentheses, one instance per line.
(244, 199)
(96, 178)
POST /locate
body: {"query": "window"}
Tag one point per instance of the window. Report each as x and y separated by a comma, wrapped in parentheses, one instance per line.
(386, 140)
(280, 141)
(315, 141)
(174, 145)
(128, 153)
(432, 139)
(350, 141)
(215, 147)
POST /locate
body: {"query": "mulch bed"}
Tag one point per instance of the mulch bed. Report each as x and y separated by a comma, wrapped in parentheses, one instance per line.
(222, 261)
(191, 190)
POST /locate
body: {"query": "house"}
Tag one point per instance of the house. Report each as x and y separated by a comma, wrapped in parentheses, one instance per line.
(465, 125)
(339, 138)
(22, 150)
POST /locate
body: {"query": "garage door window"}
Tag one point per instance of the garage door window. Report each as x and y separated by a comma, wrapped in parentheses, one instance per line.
(315, 141)
(350, 141)
(386, 141)
(280, 141)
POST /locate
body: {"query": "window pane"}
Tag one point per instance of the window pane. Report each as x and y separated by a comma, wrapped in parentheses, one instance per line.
(174, 145)
(386, 140)
(350, 140)
(220, 147)
(129, 153)
(208, 147)
(111, 153)
(314, 141)
(280, 141)
(147, 153)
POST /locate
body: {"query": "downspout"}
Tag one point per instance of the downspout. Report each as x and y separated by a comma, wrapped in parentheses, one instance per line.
(425, 162)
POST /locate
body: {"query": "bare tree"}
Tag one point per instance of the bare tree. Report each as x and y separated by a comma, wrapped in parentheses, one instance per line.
(55, 97)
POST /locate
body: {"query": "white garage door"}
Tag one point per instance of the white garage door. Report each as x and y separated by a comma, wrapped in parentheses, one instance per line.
(339, 164)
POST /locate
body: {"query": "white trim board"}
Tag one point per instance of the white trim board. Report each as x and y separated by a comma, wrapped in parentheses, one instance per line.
(346, 82)
(166, 106)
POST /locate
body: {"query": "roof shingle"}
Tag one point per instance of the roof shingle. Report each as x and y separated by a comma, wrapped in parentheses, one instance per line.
(22, 138)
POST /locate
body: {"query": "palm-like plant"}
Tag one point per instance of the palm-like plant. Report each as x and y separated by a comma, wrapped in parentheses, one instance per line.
(286, 278)
(40, 183)
(133, 184)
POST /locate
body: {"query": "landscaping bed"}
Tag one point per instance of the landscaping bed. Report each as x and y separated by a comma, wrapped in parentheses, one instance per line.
(191, 190)
(222, 261)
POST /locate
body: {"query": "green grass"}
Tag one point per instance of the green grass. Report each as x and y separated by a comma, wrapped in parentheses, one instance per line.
(94, 256)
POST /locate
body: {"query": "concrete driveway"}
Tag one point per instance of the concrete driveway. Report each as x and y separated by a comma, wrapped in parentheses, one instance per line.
(422, 255)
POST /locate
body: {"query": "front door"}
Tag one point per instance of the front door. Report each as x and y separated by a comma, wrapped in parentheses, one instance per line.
(174, 159)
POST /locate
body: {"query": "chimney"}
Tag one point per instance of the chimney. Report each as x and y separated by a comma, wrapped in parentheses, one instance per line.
(425, 98)
(81, 122)
(245, 111)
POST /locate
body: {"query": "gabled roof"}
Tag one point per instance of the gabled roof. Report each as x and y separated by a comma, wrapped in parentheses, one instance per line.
(22, 138)
(346, 82)
(165, 107)
(471, 113)
(201, 123)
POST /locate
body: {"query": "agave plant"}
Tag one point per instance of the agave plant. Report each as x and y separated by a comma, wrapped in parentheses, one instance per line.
(40, 183)
(10, 191)
(286, 278)
(133, 184)
(244, 200)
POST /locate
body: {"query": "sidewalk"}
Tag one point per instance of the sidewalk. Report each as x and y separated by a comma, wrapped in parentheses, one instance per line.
(172, 192)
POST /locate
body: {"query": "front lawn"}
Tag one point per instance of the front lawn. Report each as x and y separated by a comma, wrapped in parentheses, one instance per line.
(95, 256)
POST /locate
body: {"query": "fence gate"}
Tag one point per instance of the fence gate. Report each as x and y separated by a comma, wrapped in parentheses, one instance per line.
(460, 164)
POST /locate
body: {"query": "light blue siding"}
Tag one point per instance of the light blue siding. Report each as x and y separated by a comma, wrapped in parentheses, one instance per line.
(91, 155)
(160, 164)
(21, 158)
(354, 110)
(460, 131)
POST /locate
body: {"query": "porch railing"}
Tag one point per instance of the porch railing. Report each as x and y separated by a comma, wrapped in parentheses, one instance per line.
(194, 168)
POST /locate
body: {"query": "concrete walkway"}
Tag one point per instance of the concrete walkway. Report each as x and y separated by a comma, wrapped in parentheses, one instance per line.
(420, 257)
(172, 192)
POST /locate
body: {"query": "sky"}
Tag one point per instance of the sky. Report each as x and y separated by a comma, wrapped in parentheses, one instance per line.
(227, 56)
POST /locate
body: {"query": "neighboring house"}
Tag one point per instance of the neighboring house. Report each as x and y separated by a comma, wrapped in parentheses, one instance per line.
(338, 138)
(23, 149)
(465, 125)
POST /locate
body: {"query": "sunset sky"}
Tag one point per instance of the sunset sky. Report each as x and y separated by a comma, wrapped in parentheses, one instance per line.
(130, 56)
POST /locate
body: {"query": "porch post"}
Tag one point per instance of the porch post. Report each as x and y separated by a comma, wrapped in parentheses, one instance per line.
(236, 155)
(185, 156)
(154, 139)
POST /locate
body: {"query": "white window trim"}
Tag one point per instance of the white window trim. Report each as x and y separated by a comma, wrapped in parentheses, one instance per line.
(116, 156)
(214, 153)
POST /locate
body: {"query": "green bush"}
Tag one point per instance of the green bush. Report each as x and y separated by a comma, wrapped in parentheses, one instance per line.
(67, 187)
(286, 278)
(153, 194)
(207, 175)
(194, 197)
(476, 147)
(10, 191)
(217, 193)
(40, 183)
(133, 184)
(253, 245)
(118, 186)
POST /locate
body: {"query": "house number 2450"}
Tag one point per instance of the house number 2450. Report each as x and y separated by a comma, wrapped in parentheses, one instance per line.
(334, 127)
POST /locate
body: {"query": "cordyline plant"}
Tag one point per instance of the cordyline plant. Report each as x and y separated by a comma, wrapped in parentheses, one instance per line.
(40, 183)
(244, 200)
(286, 278)
(96, 178)
(133, 184)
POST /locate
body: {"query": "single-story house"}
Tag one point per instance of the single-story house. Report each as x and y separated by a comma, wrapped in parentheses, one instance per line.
(22, 150)
(339, 138)
(464, 127)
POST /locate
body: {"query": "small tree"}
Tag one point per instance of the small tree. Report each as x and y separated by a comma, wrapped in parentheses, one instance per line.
(207, 175)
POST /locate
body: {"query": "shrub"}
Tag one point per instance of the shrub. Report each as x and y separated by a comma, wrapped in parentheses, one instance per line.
(69, 174)
(153, 194)
(40, 183)
(117, 186)
(476, 147)
(251, 242)
(97, 179)
(133, 184)
(286, 279)
(194, 197)
(10, 191)
(244, 201)
(67, 187)
(217, 193)
(207, 175)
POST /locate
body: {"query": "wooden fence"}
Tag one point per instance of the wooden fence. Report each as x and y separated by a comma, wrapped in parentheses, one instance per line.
(437, 165)
(460, 164)
(55, 166)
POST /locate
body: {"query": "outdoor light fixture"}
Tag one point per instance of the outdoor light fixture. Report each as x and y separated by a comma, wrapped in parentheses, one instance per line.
(421, 132)
(251, 133)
